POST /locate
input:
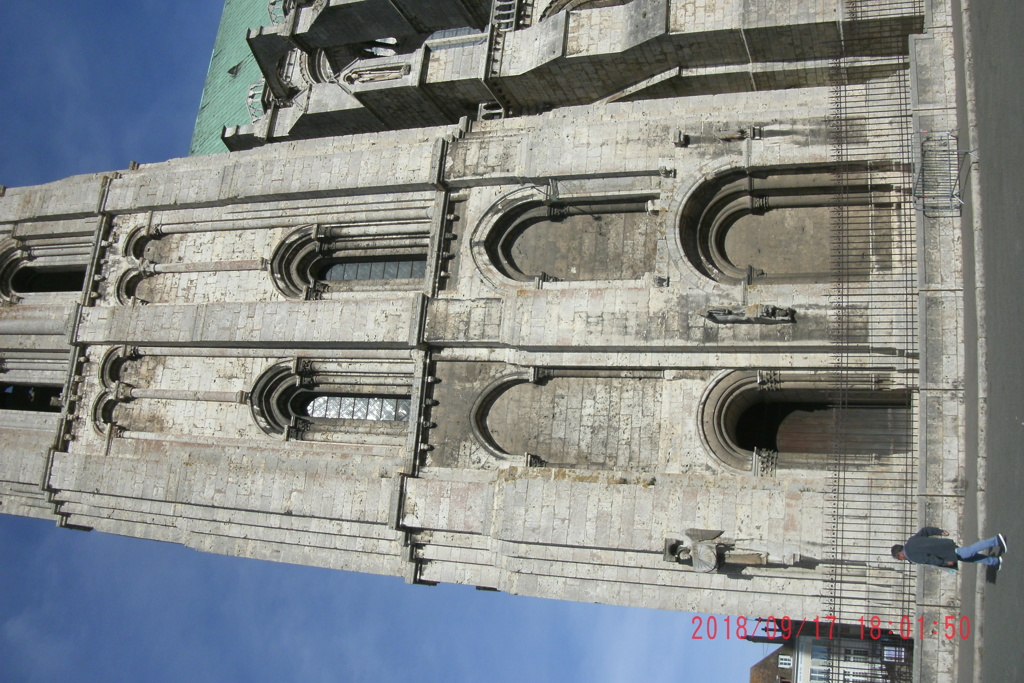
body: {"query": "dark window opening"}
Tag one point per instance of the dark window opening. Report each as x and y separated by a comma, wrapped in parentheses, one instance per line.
(40, 399)
(29, 280)
(356, 407)
(383, 269)
(759, 425)
(818, 428)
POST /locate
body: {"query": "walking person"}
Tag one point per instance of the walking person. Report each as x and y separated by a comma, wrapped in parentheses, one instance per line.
(928, 546)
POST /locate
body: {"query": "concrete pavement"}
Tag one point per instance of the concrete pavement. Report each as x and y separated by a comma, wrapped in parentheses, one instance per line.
(994, 205)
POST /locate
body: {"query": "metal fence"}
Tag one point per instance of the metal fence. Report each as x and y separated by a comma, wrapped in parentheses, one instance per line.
(873, 334)
(937, 185)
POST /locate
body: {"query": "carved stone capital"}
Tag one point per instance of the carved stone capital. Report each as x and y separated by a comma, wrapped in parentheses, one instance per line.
(765, 462)
(535, 461)
(769, 380)
(298, 428)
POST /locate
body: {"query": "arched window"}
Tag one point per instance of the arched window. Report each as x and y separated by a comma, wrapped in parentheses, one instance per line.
(777, 223)
(870, 425)
(42, 266)
(791, 420)
(347, 270)
(576, 241)
(315, 400)
(354, 407)
(314, 261)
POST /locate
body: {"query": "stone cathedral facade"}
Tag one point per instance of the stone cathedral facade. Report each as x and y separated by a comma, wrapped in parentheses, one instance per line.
(549, 297)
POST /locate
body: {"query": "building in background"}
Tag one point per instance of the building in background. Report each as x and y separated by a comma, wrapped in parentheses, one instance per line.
(652, 303)
(820, 652)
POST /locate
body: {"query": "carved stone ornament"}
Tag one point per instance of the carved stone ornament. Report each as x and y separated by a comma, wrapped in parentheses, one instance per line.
(539, 375)
(765, 462)
(700, 550)
(316, 291)
(704, 557)
(559, 212)
(298, 428)
(756, 314)
(376, 74)
(769, 380)
(535, 461)
(305, 367)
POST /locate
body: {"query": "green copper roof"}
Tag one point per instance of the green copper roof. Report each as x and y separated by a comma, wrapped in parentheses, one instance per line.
(232, 70)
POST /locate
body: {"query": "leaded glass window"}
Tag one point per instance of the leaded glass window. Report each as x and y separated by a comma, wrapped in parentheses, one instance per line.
(399, 269)
(351, 407)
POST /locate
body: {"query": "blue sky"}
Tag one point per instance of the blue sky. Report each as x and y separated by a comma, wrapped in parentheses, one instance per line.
(90, 86)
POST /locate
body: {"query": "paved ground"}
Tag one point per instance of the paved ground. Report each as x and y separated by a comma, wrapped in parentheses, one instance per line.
(999, 72)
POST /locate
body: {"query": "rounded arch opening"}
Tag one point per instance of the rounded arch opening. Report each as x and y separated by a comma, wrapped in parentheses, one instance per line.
(297, 399)
(580, 240)
(35, 280)
(21, 273)
(482, 405)
(313, 260)
(595, 419)
(793, 415)
(270, 397)
(770, 223)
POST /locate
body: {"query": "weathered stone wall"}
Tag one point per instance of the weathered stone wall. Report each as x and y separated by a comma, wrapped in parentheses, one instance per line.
(171, 466)
(601, 379)
(542, 60)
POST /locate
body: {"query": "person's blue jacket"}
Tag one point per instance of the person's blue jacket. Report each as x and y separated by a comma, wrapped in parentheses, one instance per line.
(929, 546)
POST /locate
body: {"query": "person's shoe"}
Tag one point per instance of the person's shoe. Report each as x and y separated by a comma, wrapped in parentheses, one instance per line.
(1002, 544)
(1000, 565)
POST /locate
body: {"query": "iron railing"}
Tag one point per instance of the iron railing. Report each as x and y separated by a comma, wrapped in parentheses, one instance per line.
(937, 186)
(873, 330)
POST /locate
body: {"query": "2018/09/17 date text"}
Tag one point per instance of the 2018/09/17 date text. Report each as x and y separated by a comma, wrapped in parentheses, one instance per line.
(711, 627)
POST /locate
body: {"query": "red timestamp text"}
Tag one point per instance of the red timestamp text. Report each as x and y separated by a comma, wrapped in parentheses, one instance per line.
(950, 627)
(711, 627)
